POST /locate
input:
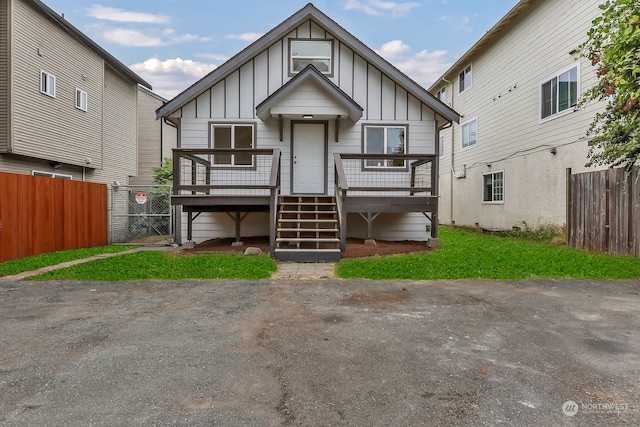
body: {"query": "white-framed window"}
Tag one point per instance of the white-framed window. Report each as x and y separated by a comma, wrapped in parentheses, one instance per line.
(82, 100)
(51, 175)
(385, 139)
(493, 187)
(316, 52)
(442, 94)
(559, 93)
(232, 136)
(465, 79)
(469, 133)
(441, 144)
(47, 84)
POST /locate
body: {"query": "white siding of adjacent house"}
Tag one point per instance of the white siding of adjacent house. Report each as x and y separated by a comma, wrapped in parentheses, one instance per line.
(4, 76)
(235, 98)
(505, 99)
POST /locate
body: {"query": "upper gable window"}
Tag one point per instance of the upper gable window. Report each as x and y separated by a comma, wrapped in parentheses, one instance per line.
(48, 84)
(442, 94)
(559, 93)
(318, 53)
(465, 79)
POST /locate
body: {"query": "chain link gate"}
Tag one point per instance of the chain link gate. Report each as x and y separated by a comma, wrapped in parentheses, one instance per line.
(141, 214)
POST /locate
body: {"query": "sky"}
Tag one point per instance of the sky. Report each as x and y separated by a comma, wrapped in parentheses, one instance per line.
(173, 43)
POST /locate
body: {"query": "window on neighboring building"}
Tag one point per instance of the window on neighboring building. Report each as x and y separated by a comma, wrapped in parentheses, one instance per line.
(442, 94)
(559, 93)
(441, 141)
(493, 187)
(232, 136)
(465, 79)
(470, 133)
(48, 84)
(81, 100)
(51, 175)
(385, 140)
(315, 52)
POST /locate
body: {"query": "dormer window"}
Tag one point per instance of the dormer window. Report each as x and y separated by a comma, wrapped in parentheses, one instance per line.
(318, 53)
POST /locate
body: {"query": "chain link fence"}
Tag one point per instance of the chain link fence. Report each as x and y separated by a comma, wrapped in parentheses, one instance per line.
(141, 214)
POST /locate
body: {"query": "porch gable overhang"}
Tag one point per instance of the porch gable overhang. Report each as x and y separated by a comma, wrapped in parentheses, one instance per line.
(282, 104)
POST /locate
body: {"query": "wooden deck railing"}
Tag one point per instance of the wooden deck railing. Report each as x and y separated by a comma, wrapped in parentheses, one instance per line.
(370, 184)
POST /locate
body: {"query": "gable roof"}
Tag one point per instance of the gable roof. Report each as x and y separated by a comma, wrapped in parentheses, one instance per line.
(311, 73)
(308, 12)
(490, 37)
(80, 36)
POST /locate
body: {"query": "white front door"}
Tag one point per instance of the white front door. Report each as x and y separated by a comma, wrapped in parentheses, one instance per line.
(309, 151)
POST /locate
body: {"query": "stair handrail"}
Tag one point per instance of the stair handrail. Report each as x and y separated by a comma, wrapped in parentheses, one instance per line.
(341, 187)
(274, 185)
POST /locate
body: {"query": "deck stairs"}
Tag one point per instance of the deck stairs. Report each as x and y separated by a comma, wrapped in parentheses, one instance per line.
(307, 229)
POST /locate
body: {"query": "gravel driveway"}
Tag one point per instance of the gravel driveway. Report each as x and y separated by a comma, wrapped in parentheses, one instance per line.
(320, 352)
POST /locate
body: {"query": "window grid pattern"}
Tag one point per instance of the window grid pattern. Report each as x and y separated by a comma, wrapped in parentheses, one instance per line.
(494, 187)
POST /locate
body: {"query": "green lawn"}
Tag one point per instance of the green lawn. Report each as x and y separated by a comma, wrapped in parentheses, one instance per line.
(152, 265)
(10, 268)
(472, 255)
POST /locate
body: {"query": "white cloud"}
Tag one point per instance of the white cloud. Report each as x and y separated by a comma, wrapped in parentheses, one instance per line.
(462, 23)
(120, 15)
(247, 37)
(172, 76)
(127, 37)
(135, 38)
(379, 7)
(213, 56)
(424, 67)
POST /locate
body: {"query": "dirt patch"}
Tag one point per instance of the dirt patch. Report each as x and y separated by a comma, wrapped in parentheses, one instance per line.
(356, 248)
(376, 298)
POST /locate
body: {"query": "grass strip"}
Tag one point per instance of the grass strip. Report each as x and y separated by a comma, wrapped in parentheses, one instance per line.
(156, 265)
(34, 262)
(472, 255)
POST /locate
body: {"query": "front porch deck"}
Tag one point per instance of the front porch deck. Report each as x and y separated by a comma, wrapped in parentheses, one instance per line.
(238, 182)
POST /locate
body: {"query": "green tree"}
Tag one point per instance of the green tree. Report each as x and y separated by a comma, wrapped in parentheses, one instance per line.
(163, 174)
(613, 47)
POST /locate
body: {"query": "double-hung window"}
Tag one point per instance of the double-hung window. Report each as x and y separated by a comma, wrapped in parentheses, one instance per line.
(442, 94)
(316, 52)
(81, 100)
(470, 133)
(493, 187)
(232, 136)
(559, 93)
(48, 84)
(382, 139)
(465, 79)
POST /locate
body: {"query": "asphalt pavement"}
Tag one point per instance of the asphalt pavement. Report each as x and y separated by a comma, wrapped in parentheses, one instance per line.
(320, 352)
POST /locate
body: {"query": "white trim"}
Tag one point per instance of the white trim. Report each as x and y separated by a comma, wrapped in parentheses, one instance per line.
(48, 78)
(86, 100)
(51, 174)
(466, 89)
(384, 127)
(469, 147)
(569, 110)
(493, 202)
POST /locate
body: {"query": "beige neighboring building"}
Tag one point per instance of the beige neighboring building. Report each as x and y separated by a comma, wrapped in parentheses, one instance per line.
(506, 163)
(68, 108)
(156, 138)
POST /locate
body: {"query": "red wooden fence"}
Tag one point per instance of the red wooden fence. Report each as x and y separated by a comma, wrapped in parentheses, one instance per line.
(41, 215)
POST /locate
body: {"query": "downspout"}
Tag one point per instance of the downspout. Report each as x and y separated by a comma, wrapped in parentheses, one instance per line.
(451, 169)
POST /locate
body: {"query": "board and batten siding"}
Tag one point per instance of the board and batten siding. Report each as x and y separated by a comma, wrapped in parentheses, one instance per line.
(505, 99)
(52, 128)
(235, 98)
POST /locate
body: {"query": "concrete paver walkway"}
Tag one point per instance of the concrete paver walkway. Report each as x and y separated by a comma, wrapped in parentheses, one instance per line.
(306, 270)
